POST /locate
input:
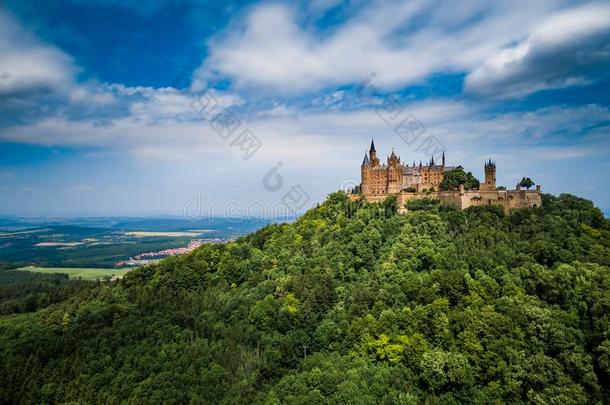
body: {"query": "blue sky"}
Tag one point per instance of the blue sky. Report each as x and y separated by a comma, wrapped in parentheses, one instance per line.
(96, 97)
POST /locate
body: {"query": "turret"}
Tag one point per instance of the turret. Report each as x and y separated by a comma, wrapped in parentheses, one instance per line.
(393, 160)
(443, 159)
(490, 177)
(365, 161)
(394, 173)
(373, 155)
(365, 174)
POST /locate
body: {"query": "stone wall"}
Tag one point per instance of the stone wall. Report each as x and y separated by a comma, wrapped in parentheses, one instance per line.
(509, 199)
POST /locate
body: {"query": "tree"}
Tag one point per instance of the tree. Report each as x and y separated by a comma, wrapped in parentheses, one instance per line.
(390, 206)
(526, 182)
(456, 177)
(425, 204)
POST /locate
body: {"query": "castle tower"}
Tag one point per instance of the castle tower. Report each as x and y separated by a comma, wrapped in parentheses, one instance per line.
(394, 173)
(365, 175)
(490, 177)
(393, 160)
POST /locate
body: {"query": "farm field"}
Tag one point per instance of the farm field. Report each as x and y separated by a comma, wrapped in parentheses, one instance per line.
(104, 242)
(151, 234)
(76, 272)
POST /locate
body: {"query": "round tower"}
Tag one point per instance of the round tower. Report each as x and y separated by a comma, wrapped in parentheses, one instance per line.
(365, 175)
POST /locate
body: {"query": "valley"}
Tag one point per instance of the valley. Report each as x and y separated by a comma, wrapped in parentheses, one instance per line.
(108, 243)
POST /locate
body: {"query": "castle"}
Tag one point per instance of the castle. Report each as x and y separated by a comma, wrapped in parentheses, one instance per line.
(408, 182)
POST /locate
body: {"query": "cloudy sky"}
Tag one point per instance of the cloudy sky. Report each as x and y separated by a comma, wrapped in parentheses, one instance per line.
(112, 107)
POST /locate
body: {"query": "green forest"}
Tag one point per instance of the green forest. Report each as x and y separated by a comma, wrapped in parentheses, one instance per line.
(352, 303)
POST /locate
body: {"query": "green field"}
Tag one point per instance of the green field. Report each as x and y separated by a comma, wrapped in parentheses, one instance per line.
(75, 272)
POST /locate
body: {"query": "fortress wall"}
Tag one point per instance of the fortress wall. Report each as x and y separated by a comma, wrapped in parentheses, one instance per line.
(524, 198)
(460, 200)
(467, 198)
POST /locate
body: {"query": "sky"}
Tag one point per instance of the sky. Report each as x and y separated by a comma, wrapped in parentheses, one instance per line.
(197, 108)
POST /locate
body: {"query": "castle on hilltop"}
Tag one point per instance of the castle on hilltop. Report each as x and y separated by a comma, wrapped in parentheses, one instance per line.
(407, 182)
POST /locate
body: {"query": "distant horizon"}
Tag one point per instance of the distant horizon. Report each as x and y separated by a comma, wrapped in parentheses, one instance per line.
(51, 218)
(605, 211)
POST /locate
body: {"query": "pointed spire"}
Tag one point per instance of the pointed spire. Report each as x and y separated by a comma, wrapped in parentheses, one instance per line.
(443, 158)
(372, 146)
(432, 161)
(366, 159)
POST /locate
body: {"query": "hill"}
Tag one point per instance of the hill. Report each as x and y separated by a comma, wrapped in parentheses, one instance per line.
(352, 303)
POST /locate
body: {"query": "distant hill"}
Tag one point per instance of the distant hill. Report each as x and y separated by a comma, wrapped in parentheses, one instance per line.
(352, 303)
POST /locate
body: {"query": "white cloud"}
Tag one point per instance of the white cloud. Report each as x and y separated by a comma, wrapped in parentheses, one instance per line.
(329, 138)
(92, 94)
(563, 51)
(28, 66)
(402, 42)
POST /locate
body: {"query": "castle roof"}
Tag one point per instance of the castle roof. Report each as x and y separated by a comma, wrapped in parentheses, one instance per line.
(372, 146)
(366, 159)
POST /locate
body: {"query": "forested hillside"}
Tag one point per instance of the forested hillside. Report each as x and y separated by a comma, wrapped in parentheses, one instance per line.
(352, 304)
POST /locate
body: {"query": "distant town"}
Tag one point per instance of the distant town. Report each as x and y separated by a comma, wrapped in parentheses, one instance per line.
(152, 257)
